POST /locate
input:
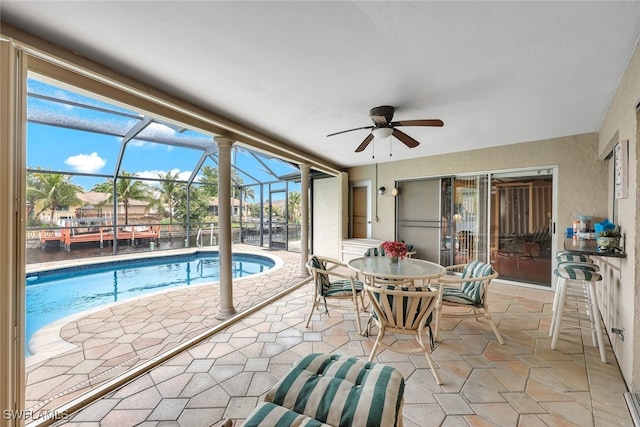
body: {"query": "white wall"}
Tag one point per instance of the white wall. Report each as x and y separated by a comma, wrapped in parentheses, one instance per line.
(329, 213)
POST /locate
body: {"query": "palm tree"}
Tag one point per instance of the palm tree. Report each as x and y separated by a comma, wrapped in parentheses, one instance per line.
(127, 189)
(210, 178)
(247, 193)
(294, 206)
(52, 191)
(169, 193)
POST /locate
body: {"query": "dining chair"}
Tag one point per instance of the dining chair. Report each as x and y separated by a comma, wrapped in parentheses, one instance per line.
(404, 311)
(377, 251)
(469, 290)
(332, 285)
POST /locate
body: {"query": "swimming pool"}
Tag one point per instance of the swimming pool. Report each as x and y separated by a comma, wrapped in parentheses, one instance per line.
(54, 294)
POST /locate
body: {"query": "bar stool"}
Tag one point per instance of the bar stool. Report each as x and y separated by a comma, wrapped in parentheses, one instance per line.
(567, 276)
(575, 290)
(564, 257)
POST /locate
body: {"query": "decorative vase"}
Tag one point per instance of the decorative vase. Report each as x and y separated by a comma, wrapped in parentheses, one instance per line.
(394, 260)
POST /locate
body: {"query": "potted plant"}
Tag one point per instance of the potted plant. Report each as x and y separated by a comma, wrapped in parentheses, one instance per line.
(608, 240)
(395, 250)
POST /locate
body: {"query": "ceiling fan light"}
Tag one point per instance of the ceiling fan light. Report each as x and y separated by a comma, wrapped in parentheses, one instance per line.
(382, 132)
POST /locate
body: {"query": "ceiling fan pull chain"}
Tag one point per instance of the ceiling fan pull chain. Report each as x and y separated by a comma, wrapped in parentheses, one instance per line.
(373, 150)
(390, 147)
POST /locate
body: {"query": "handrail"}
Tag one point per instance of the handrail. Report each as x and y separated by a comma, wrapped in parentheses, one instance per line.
(199, 238)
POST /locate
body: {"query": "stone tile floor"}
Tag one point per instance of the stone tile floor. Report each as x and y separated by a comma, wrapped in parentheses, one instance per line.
(521, 383)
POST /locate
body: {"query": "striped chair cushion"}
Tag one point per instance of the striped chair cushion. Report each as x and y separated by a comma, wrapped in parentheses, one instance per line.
(406, 304)
(374, 252)
(457, 296)
(574, 273)
(573, 258)
(341, 391)
(474, 289)
(583, 265)
(271, 415)
(325, 283)
(339, 288)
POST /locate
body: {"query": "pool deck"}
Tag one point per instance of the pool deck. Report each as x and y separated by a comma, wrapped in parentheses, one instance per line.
(520, 383)
(82, 351)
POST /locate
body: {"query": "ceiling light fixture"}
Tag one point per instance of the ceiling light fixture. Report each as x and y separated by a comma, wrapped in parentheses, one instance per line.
(382, 132)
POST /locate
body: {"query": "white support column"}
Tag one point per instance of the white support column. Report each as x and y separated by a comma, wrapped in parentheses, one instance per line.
(304, 232)
(226, 308)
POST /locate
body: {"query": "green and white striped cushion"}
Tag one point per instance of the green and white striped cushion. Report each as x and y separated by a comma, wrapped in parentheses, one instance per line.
(457, 296)
(474, 289)
(325, 283)
(408, 317)
(574, 273)
(339, 288)
(583, 265)
(341, 391)
(374, 252)
(573, 258)
(268, 414)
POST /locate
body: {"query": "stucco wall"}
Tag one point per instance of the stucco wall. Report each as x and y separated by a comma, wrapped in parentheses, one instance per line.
(327, 216)
(581, 181)
(620, 123)
(583, 188)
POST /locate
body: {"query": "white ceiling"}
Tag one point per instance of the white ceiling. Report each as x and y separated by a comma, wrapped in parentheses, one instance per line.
(495, 72)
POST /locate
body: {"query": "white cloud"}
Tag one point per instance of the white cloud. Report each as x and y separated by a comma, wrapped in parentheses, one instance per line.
(86, 163)
(182, 176)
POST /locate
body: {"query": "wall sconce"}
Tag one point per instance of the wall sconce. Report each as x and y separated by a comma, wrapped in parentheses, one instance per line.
(381, 191)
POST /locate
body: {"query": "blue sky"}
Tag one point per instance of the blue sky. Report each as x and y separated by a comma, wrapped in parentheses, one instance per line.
(61, 148)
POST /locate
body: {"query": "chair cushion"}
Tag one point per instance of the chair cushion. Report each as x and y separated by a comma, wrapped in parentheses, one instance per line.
(577, 273)
(341, 288)
(475, 289)
(325, 283)
(341, 391)
(374, 252)
(406, 304)
(268, 414)
(573, 257)
(458, 296)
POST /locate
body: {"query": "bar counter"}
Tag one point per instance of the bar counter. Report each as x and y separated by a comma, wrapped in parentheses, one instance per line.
(589, 247)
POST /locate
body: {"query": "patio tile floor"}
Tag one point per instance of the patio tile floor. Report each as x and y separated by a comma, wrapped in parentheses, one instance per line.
(521, 383)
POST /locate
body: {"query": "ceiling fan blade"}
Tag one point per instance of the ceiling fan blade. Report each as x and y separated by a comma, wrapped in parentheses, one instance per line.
(350, 130)
(364, 143)
(424, 122)
(405, 139)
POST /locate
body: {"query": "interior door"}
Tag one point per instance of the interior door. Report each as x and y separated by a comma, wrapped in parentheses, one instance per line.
(360, 214)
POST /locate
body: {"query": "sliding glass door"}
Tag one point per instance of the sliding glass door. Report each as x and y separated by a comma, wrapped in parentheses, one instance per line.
(522, 225)
(502, 218)
(469, 218)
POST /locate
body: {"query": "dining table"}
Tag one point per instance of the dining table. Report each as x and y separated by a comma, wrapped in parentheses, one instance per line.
(380, 269)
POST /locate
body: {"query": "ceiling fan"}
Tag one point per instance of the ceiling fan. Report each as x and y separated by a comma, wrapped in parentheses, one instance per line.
(383, 127)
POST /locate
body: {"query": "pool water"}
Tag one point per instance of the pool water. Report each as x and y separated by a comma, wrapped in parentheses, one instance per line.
(53, 295)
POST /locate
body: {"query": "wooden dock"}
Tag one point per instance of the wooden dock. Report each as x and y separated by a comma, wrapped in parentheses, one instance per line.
(68, 237)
